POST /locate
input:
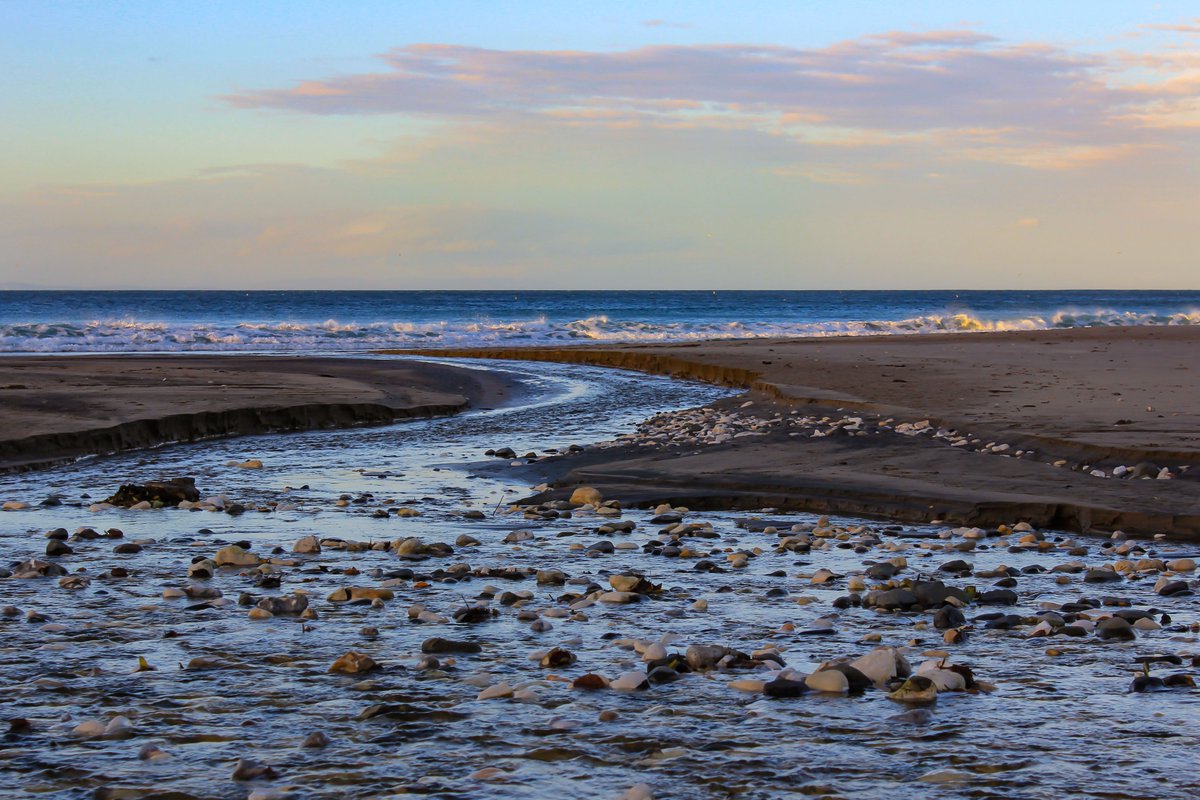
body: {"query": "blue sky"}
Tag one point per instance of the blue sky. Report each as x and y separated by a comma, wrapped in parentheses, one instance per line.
(759, 144)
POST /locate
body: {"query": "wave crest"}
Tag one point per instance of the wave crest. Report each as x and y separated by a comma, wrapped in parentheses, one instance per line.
(132, 335)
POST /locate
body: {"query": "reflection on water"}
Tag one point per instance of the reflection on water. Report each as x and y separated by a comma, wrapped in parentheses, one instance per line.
(1061, 725)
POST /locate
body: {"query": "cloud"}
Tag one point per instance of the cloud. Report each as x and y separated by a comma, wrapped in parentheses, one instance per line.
(869, 92)
(1192, 26)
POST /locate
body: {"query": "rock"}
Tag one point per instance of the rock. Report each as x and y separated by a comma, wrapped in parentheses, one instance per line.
(785, 687)
(1115, 629)
(250, 463)
(495, 691)
(1173, 588)
(35, 568)
(590, 681)
(630, 681)
(353, 663)
(619, 597)
(892, 599)
(56, 548)
(440, 645)
(359, 594)
(828, 680)
(706, 657)
(948, 617)
(289, 605)
(551, 577)
(309, 545)
(1102, 576)
(998, 597)
(90, 729)
(170, 492)
(634, 583)
(248, 770)
(234, 556)
(917, 690)
(881, 665)
(558, 657)
(586, 495)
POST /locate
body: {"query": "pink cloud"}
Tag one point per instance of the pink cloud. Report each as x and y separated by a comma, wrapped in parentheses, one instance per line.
(1043, 106)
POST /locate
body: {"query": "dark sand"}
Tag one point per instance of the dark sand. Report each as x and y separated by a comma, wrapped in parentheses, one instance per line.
(58, 408)
(1100, 397)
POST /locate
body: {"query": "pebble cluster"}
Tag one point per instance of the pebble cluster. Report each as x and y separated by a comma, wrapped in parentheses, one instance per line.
(715, 425)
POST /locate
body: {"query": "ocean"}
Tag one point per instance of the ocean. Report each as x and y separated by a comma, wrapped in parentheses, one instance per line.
(324, 321)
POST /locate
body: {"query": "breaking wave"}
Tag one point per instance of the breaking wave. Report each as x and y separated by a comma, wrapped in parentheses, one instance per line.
(132, 335)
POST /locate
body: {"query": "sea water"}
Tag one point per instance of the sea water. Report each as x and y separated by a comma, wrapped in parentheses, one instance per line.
(324, 321)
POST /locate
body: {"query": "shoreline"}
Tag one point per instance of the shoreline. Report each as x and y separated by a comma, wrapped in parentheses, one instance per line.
(72, 406)
(1101, 399)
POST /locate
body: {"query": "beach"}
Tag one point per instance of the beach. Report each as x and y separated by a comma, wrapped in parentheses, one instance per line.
(1077, 401)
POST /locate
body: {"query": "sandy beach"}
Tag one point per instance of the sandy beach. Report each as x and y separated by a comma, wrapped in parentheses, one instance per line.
(53, 409)
(1072, 402)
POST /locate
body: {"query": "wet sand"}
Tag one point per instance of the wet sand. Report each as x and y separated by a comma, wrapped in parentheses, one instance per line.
(54, 409)
(1071, 402)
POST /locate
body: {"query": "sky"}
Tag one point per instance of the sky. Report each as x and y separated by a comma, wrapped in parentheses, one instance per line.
(615, 145)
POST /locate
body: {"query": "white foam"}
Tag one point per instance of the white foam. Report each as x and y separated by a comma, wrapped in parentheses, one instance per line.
(132, 335)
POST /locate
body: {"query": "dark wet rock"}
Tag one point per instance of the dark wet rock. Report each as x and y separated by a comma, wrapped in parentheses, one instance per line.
(882, 571)
(958, 567)
(58, 533)
(1102, 576)
(857, 681)
(439, 645)
(127, 548)
(288, 605)
(1166, 658)
(998, 597)
(469, 615)
(785, 687)
(892, 599)
(948, 617)
(1003, 622)
(558, 657)
(1147, 683)
(55, 548)
(1171, 589)
(933, 594)
(663, 674)
(169, 492)
(505, 452)
(1115, 629)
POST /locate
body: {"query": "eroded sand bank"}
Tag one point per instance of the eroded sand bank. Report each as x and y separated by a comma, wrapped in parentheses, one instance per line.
(54, 409)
